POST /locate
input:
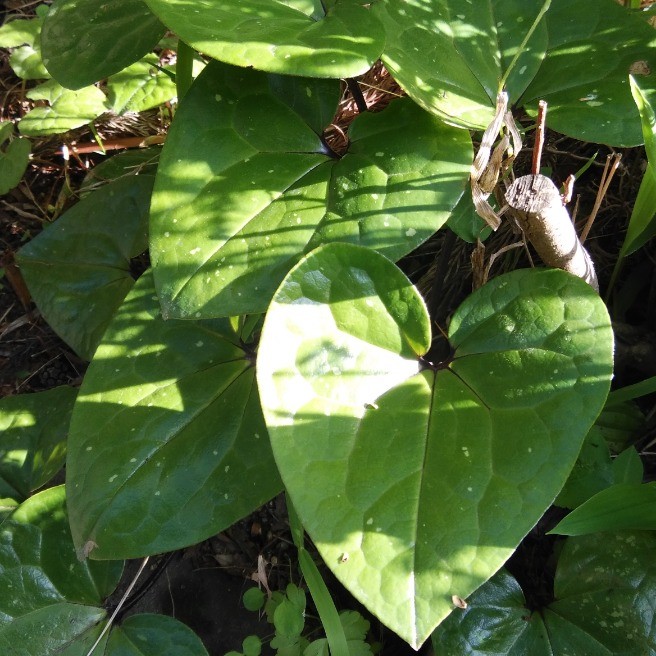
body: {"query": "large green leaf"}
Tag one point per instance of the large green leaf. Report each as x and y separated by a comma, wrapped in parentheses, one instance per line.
(245, 183)
(51, 602)
(604, 594)
(451, 57)
(84, 41)
(78, 269)
(179, 449)
(415, 482)
(593, 46)
(65, 110)
(33, 431)
(48, 598)
(153, 635)
(279, 36)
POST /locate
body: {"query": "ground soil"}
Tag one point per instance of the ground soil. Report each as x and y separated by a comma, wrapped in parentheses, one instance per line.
(203, 585)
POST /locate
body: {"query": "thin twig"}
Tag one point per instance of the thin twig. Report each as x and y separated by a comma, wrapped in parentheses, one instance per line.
(120, 605)
(500, 252)
(606, 177)
(539, 137)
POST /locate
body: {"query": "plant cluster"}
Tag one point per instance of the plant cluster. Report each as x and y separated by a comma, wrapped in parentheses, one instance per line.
(275, 345)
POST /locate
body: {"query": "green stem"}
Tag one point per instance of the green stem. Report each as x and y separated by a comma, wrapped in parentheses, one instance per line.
(97, 138)
(183, 68)
(522, 46)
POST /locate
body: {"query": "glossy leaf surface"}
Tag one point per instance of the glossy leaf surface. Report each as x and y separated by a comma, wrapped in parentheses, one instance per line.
(78, 269)
(23, 36)
(179, 450)
(619, 507)
(153, 635)
(33, 431)
(48, 598)
(65, 110)
(245, 183)
(278, 36)
(137, 161)
(604, 593)
(84, 41)
(451, 56)
(139, 87)
(410, 472)
(593, 46)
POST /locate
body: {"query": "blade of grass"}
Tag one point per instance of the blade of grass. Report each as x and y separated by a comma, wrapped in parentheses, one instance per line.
(642, 226)
(183, 68)
(318, 589)
(522, 45)
(631, 392)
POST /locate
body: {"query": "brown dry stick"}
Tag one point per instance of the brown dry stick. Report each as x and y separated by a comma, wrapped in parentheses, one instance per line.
(536, 204)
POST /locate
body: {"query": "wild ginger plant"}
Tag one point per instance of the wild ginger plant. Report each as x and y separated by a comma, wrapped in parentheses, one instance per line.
(275, 344)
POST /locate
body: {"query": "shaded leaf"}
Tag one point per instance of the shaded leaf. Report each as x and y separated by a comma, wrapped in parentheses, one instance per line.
(84, 41)
(153, 635)
(14, 158)
(78, 269)
(593, 45)
(66, 110)
(179, 451)
(411, 471)
(33, 431)
(23, 35)
(278, 36)
(604, 592)
(135, 161)
(48, 598)
(450, 56)
(139, 87)
(245, 183)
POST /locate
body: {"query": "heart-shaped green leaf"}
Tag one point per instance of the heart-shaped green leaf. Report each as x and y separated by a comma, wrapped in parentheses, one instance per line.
(153, 635)
(78, 270)
(139, 87)
(426, 476)
(84, 41)
(179, 449)
(23, 35)
(48, 598)
(279, 36)
(51, 602)
(593, 46)
(66, 109)
(452, 56)
(33, 431)
(14, 158)
(604, 592)
(244, 184)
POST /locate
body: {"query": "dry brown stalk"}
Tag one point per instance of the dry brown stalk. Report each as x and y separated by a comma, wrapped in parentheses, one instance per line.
(537, 206)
